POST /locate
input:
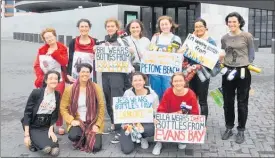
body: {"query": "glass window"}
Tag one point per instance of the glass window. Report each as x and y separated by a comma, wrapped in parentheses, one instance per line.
(269, 12)
(257, 27)
(257, 35)
(258, 12)
(11, 2)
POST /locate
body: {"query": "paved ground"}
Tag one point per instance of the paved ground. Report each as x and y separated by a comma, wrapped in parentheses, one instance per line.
(17, 82)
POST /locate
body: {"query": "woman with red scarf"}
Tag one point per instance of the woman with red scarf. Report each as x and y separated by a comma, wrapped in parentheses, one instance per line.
(51, 56)
(81, 50)
(82, 107)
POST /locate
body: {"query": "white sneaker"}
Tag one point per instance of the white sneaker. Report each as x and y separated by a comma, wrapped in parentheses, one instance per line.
(181, 146)
(144, 143)
(157, 148)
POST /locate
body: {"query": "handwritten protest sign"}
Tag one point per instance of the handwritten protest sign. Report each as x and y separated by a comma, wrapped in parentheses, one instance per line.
(180, 128)
(81, 57)
(161, 63)
(201, 51)
(112, 59)
(133, 109)
(47, 63)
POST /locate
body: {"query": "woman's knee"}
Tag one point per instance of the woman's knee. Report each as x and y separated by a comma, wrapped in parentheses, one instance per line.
(75, 133)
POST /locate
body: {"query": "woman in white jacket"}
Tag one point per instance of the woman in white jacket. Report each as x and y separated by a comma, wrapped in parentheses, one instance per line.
(139, 89)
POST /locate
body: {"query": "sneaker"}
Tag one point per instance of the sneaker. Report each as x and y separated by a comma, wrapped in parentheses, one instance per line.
(157, 148)
(115, 139)
(144, 143)
(47, 149)
(227, 134)
(32, 148)
(240, 137)
(55, 151)
(181, 146)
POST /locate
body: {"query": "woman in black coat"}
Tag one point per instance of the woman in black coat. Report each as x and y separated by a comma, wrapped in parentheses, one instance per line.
(40, 115)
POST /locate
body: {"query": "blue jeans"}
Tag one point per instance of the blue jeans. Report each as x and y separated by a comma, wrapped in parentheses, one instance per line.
(159, 83)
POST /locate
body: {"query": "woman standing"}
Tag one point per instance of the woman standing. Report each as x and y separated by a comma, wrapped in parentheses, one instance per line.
(166, 27)
(81, 44)
(139, 89)
(40, 115)
(172, 101)
(82, 107)
(239, 49)
(201, 88)
(114, 84)
(138, 43)
(51, 56)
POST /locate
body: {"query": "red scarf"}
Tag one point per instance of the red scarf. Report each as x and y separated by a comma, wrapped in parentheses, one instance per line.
(91, 115)
(84, 48)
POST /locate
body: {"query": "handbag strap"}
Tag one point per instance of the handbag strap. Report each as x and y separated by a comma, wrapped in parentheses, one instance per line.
(136, 49)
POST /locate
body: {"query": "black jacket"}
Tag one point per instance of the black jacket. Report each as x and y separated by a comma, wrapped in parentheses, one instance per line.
(33, 103)
(71, 55)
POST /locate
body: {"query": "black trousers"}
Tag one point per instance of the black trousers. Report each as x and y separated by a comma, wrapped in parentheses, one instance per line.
(126, 143)
(114, 85)
(201, 90)
(75, 134)
(40, 140)
(229, 88)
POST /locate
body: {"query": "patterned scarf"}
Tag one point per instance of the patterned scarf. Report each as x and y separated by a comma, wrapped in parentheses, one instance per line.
(91, 115)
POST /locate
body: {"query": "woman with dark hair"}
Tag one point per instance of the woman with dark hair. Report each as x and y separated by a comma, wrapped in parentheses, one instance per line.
(201, 87)
(173, 98)
(40, 115)
(240, 53)
(51, 56)
(82, 107)
(114, 83)
(137, 42)
(139, 89)
(160, 42)
(81, 44)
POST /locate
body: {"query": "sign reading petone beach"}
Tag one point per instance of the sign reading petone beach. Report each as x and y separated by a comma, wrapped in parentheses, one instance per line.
(81, 57)
(201, 51)
(133, 109)
(180, 128)
(161, 63)
(112, 59)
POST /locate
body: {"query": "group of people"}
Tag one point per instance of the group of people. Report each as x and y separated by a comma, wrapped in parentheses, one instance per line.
(82, 106)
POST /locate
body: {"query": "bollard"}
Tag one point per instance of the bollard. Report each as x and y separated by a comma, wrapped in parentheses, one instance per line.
(256, 44)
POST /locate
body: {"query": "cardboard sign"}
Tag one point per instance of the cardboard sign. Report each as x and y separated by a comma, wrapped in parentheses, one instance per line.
(133, 109)
(161, 63)
(112, 59)
(47, 63)
(201, 51)
(180, 128)
(81, 57)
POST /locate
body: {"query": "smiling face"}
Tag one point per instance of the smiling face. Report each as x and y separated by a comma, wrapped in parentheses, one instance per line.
(111, 28)
(49, 38)
(52, 80)
(84, 28)
(84, 74)
(178, 82)
(138, 82)
(233, 24)
(165, 26)
(135, 29)
(200, 29)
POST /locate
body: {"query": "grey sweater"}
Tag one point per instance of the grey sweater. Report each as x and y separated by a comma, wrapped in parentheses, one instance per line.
(239, 49)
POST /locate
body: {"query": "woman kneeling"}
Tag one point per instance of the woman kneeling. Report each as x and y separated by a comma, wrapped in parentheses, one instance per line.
(171, 102)
(82, 107)
(40, 115)
(139, 89)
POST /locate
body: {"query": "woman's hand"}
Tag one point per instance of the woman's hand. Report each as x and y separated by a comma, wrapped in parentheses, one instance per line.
(71, 79)
(75, 123)
(95, 128)
(156, 121)
(27, 141)
(132, 50)
(52, 135)
(221, 56)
